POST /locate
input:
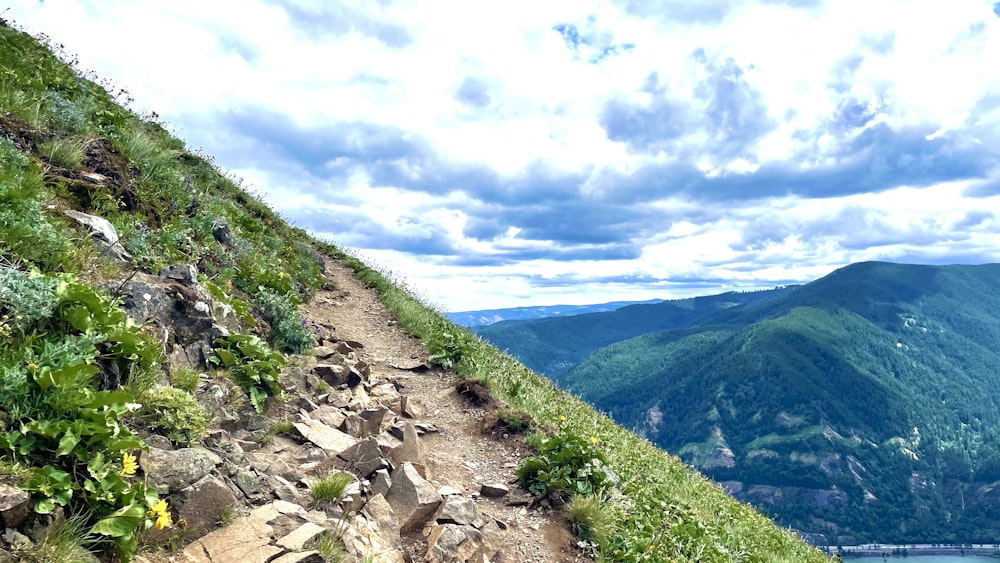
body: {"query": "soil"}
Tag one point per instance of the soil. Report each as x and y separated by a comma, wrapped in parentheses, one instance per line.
(460, 455)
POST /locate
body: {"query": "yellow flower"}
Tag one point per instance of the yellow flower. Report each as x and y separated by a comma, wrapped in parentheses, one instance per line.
(128, 464)
(562, 418)
(281, 274)
(593, 439)
(162, 513)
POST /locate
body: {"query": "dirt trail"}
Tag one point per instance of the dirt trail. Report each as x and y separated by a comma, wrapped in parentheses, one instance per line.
(459, 456)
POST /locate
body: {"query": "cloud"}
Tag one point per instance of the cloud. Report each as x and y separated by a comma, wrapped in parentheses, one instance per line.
(583, 152)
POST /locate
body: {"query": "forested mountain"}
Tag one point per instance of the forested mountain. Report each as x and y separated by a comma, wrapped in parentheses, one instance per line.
(485, 317)
(863, 404)
(866, 403)
(553, 345)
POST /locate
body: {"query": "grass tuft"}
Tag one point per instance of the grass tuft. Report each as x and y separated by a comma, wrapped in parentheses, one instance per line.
(331, 486)
(591, 519)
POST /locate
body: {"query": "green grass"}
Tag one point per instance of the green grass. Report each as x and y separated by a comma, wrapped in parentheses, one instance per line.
(64, 153)
(331, 486)
(591, 519)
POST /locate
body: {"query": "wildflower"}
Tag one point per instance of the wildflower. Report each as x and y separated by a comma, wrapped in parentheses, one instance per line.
(593, 440)
(562, 418)
(162, 513)
(128, 464)
(281, 274)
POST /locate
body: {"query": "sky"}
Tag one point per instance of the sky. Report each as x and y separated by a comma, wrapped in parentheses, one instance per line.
(507, 154)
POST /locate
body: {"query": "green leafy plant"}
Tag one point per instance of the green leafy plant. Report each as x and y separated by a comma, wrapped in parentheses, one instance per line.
(185, 378)
(174, 413)
(254, 366)
(288, 331)
(567, 464)
(449, 345)
(240, 308)
(62, 371)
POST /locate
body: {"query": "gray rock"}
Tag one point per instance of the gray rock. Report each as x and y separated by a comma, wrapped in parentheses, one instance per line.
(202, 504)
(452, 542)
(222, 233)
(103, 231)
(353, 425)
(365, 457)
(458, 510)
(379, 511)
(171, 471)
(298, 538)
(382, 482)
(494, 490)
(248, 482)
(412, 498)
(300, 557)
(332, 374)
(412, 407)
(412, 449)
(186, 274)
(14, 506)
(330, 439)
(373, 419)
(328, 415)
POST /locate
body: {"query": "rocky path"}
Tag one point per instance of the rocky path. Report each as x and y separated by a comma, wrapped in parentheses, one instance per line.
(430, 485)
(459, 455)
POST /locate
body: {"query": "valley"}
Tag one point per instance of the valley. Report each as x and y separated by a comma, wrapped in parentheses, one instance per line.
(860, 407)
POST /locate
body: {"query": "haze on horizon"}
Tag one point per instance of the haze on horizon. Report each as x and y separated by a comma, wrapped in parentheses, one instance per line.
(582, 151)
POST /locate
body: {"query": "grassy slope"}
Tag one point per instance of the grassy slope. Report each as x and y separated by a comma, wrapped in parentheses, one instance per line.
(164, 201)
(872, 350)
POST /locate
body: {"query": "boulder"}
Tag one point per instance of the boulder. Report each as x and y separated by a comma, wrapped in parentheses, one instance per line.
(15, 506)
(458, 510)
(411, 450)
(171, 471)
(379, 512)
(494, 490)
(329, 439)
(365, 457)
(103, 232)
(412, 498)
(298, 538)
(452, 542)
(411, 407)
(202, 504)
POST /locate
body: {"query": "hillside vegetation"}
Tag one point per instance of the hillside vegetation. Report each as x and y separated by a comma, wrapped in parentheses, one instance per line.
(861, 404)
(553, 345)
(84, 387)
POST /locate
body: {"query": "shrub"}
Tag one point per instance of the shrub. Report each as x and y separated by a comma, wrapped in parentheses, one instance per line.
(566, 463)
(174, 413)
(288, 331)
(254, 366)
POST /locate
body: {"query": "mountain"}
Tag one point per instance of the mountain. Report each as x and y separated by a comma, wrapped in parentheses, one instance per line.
(487, 317)
(865, 404)
(553, 345)
(176, 357)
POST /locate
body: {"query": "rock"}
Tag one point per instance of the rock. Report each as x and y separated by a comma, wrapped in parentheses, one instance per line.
(301, 557)
(382, 482)
(222, 233)
(353, 425)
(412, 498)
(103, 231)
(330, 439)
(328, 415)
(365, 457)
(202, 504)
(15, 506)
(379, 511)
(246, 539)
(332, 374)
(458, 510)
(363, 538)
(354, 378)
(185, 274)
(411, 407)
(373, 420)
(452, 542)
(494, 490)
(249, 483)
(411, 450)
(302, 535)
(171, 471)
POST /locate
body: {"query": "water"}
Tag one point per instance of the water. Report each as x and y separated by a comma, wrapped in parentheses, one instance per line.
(926, 559)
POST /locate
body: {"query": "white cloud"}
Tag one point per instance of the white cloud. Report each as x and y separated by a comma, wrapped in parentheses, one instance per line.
(827, 81)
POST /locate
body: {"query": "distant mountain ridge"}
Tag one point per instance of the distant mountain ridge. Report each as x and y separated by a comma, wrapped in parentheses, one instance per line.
(553, 345)
(486, 317)
(864, 405)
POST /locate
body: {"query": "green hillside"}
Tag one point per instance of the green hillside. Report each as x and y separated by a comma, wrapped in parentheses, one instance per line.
(868, 397)
(84, 388)
(553, 345)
